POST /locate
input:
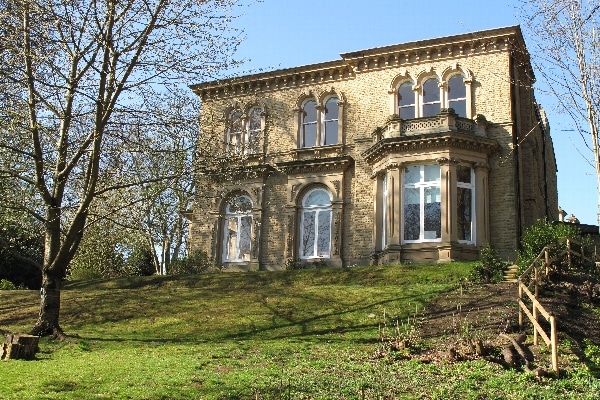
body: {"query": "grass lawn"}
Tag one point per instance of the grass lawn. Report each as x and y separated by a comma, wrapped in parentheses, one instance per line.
(307, 334)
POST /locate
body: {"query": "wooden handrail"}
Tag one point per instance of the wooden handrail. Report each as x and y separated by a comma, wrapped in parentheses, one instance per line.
(543, 261)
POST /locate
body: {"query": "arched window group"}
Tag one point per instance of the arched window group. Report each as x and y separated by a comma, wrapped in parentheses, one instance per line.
(319, 124)
(430, 95)
(243, 130)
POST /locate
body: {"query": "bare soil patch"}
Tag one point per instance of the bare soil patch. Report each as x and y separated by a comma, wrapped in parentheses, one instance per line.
(457, 320)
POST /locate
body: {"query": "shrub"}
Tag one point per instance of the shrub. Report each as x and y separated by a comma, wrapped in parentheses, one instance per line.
(195, 263)
(5, 284)
(489, 269)
(544, 233)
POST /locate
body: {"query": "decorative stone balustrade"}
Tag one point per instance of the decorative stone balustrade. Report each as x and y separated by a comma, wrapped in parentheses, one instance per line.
(446, 121)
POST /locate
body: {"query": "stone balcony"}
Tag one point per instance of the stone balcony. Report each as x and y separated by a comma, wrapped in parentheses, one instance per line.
(446, 121)
(443, 132)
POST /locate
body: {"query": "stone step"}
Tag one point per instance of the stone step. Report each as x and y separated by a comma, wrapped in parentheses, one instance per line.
(511, 274)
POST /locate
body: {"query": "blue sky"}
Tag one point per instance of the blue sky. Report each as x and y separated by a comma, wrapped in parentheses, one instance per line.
(286, 33)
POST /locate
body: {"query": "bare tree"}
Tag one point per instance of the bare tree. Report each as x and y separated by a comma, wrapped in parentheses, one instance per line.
(566, 52)
(79, 79)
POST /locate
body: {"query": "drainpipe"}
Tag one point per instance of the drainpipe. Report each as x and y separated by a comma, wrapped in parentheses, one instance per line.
(515, 142)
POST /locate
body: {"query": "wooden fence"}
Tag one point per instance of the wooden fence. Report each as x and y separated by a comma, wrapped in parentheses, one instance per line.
(574, 253)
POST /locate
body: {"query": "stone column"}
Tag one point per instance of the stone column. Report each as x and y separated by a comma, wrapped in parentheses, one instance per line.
(320, 116)
(394, 204)
(449, 201)
(378, 212)
(482, 205)
(469, 91)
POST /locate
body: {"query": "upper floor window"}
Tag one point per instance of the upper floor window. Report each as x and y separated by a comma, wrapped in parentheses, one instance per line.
(457, 95)
(234, 131)
(309, 124)
(406, 101)
(451, 90)
(237, 229)
(431, 97)
(319, 123)
(243, 132)
(254, 130)
(315, 224)
(330, 121)
(422, 211)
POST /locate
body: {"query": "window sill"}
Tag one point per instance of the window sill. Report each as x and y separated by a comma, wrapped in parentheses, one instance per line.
(305, 153)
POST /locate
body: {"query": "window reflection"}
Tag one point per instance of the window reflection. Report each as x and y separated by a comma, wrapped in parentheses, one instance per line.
(422, 212)
(457, 95)
(315, 227)
(237, 229)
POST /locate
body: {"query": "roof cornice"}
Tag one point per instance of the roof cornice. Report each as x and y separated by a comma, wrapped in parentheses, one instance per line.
(352, 63)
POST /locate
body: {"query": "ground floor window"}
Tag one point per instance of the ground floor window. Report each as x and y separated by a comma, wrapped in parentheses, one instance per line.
(465, 206)
(237, 229)
(422, 212)
(315, 224)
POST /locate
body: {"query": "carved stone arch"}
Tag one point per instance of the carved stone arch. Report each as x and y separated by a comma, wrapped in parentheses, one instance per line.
(231, 107)
(456, 69)
(253, 103)
(400, 79)
(426, 74)
(304, 97)
(302, 191)
(326, 94)
(232, 194)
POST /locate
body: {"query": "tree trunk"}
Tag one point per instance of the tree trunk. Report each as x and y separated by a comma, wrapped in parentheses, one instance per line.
(47, 322)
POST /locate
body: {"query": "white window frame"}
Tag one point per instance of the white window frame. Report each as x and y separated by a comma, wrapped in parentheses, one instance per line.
(325, 120)
(471, 186)
(448, 100)
(421, 185)
(422, 97)
(304, 124)
(245, 134)
(228, 215)
(317, 210)
(252, 136)
(413, 105)
(231, 120)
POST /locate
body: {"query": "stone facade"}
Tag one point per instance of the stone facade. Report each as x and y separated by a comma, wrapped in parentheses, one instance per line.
(423, 151)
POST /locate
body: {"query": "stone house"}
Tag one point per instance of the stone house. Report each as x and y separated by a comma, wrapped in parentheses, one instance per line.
(415, 152)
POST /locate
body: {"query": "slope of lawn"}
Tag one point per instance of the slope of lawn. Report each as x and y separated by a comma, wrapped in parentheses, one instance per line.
(307, 334)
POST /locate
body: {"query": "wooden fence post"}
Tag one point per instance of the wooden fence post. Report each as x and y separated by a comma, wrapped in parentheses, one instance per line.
(554, 343)
(520, 301)
(534, 309)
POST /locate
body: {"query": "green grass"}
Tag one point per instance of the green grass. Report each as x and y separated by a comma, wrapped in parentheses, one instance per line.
(307, 334)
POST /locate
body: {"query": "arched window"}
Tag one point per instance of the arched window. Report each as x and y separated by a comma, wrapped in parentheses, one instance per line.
(330, 122)
(431, 97)
(457, 95)
(234, 131)
(253, 132)
(309, 124)
(315, 224)
(406, 101)
(237, 229)
(422, 203)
